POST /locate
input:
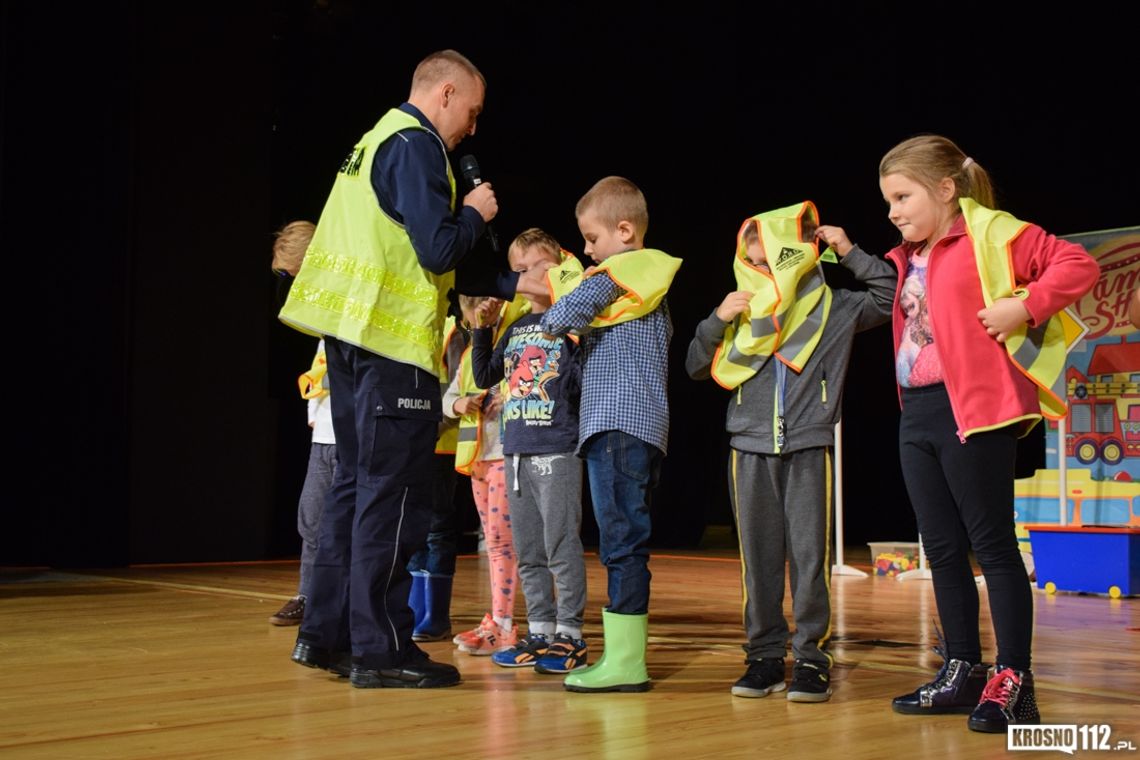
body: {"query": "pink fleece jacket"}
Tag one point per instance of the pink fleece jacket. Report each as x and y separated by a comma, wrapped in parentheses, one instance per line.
(984, 386)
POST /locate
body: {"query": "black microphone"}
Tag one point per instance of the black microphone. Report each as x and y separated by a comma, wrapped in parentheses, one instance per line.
(470, 168)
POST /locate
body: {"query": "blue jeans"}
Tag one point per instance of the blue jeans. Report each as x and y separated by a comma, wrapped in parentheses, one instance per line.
(623, 471)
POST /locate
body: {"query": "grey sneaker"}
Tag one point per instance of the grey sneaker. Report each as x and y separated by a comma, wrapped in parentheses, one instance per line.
(762, 678)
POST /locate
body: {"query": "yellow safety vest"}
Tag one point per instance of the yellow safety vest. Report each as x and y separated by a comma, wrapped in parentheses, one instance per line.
(360, 280)
(470, 434)
(447, 442)
(563, 278)
(645, 274)
(469, 443)
(1038, 352)
(790, 302)
(312, 382)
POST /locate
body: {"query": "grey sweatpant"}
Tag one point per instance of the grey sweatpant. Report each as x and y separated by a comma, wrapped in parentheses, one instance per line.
(318, 480)
(545, 495)
(782, 506)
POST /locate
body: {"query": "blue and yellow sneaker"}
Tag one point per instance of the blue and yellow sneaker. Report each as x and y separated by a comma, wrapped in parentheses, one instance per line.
(565, 654)
(524, 654)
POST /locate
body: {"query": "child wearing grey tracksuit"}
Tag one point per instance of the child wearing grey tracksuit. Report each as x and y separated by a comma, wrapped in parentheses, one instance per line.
(542, 374)
(540, 420)
(781, 490)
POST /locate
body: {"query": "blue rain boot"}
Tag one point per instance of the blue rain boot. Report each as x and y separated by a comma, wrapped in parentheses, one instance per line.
(436, 622)
(417, 597)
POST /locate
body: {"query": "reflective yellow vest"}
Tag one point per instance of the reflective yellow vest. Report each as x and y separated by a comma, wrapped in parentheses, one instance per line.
(360, 280)
(469, 443)
(790, 302)
(563, 278)
(1038, 352)
(312, 382)
(447, 442)
(559, 280)
(645, 274)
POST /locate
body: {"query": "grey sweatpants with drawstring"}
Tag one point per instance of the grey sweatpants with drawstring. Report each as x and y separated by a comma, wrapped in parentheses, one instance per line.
(545, 495)
(782, 506)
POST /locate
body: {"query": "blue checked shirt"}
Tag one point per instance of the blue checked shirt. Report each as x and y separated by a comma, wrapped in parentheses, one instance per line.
(624, 368)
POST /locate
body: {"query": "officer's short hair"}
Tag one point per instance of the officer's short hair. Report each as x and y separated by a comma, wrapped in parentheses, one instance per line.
(441, 65)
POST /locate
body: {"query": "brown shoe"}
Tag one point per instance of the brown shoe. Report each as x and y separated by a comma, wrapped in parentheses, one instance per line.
(291, 614)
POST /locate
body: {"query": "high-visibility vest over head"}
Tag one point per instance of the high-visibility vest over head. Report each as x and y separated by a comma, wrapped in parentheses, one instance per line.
(1038, 352)
(360, 280)
(790, 300)
(645, 275)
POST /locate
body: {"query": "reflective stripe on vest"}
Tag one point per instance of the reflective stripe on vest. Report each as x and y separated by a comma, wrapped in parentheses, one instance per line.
(470, 434)
(1038, 352)
(644, 274)
(790, 301)
(360, 280)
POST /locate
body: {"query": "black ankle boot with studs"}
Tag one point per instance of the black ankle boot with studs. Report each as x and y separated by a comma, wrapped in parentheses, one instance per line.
(956, 689)
(1009, 699)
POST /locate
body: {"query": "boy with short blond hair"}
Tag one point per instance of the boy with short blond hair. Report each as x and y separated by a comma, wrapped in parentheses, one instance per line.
(619, 308)
(544, 477)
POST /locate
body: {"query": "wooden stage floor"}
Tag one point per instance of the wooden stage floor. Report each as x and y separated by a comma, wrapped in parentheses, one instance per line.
(180, 662)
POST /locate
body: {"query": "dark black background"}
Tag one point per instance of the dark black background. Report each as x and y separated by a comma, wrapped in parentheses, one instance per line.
(149, 152)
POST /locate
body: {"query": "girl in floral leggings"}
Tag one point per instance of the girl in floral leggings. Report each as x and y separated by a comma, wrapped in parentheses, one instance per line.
(480, 455)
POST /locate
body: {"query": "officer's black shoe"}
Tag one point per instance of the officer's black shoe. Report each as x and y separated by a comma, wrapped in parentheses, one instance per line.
(417, 672)
(312, 656)
(1008, 699)
(956, 689)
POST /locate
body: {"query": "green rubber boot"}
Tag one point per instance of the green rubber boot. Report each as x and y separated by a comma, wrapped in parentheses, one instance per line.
(622, 665)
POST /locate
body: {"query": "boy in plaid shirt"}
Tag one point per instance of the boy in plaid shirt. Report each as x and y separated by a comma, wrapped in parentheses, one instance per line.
(619, 308)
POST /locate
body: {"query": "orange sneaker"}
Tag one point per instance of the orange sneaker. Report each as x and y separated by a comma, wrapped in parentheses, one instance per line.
(472, 637)
(491, 639)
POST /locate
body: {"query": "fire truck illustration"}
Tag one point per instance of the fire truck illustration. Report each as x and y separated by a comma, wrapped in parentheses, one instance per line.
(1104, 405)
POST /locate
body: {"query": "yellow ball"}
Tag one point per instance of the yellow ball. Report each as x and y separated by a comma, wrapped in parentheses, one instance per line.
(1114, 592)
(1050, 588)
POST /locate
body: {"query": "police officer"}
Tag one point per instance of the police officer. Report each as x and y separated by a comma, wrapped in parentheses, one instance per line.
(375, 284)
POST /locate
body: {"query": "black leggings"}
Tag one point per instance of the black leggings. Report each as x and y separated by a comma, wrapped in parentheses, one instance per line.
(962, 495)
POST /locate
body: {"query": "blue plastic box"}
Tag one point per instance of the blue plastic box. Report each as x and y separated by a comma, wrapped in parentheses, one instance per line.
(1090, 559)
